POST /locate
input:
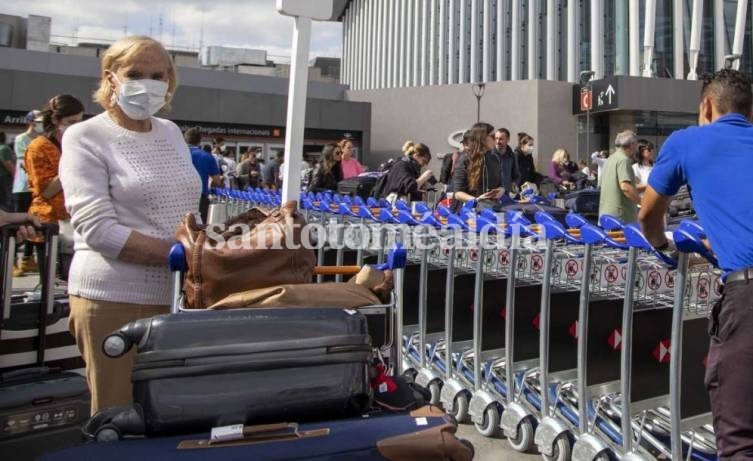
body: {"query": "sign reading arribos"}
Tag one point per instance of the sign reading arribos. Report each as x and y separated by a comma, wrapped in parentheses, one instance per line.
(598, 96)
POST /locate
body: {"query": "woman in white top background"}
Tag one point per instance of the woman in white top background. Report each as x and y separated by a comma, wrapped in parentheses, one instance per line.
(128, 181)
(643, 165)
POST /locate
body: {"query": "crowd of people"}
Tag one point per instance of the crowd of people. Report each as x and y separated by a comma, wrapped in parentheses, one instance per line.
(103, 181)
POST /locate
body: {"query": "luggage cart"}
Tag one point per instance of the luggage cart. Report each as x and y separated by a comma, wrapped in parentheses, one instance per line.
(560, 296)
(632, 417)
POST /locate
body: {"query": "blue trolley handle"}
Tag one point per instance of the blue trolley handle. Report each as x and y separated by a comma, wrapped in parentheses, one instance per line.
(177, 264)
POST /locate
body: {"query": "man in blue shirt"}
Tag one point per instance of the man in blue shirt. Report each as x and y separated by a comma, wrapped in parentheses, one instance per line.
(716, 160)
(207, 167)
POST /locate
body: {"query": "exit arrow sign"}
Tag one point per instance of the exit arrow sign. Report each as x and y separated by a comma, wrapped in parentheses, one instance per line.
(602, 95)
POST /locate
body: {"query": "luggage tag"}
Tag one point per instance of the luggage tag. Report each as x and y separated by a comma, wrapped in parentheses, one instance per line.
(239, 435)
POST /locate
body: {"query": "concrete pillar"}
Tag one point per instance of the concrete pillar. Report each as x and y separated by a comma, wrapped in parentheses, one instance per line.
(501, 45)
(533, 45)
(515, 41)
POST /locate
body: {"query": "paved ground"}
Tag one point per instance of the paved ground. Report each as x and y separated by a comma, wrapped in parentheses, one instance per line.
(493, 449)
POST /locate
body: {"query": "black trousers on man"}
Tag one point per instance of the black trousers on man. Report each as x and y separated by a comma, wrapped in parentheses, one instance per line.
(729, 371)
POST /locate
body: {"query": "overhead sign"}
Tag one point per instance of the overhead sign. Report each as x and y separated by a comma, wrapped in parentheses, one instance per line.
(596, 96)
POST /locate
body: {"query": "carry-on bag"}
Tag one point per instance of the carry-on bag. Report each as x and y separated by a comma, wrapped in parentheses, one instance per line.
(198, 370)
(41, 408)
(360, 186)
(584, 202)
(529, 210)
(253, 253)
(426, 434)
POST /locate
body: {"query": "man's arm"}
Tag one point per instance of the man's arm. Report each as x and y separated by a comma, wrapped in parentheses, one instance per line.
(630, 192)
(651, 217)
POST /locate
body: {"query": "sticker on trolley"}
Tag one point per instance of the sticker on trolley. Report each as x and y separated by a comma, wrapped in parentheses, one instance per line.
(717, 287)
(556, 268)
(640, 281)
(473, 254)
(536, 322)
(572, 268)
(537, 263)
(503, 313)
(504, 258)
(595, 277)
(703, 288)
(615, 340)
(611, 273)
(522, 264)
(654, 280)
(661, 351)
(669, 279)
(623, 273)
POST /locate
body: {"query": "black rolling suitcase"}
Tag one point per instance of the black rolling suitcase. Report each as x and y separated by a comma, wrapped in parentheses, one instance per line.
(529, 210)
(359, 185)
(199, 370)
(41, 408)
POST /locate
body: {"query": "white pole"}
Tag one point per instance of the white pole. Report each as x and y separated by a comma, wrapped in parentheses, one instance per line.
(572, 41)
(390, 40)
(597, 42)
(358, 49)
(396, 45)
(345, 62)
(648, 38)
(409, 44)
(370, 20)
(737, 45)
(425, 42)
(463, 60)
(501, 42)
(634, 38)
(678, 39)
(296, 118)
(442, 53)
(401, 72)
(416, 43)
(551, 43)
(720, 34)
(487, 42)
(532, 42)
(515, 41)
(474, 41)
(451, 44)
(696, 25)
(433, 44)
(382, 70)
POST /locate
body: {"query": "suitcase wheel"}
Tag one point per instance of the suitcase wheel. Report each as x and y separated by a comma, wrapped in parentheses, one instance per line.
(115, 345)
(107, 433)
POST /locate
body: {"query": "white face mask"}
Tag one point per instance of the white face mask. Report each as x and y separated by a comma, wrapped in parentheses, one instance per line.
(140, 99)
(38, 127)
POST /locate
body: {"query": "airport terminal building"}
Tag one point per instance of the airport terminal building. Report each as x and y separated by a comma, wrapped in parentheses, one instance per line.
(416, 62)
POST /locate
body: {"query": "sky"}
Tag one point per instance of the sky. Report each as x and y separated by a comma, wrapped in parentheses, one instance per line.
(241, 23)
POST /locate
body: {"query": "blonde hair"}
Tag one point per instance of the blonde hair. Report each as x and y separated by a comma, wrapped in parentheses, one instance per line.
(560, 156)
(411, 148)
(122, 53)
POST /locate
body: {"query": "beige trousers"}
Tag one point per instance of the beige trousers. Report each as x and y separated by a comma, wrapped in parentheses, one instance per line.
(90, 322)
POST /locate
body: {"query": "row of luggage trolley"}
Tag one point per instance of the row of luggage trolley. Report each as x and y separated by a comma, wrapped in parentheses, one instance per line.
(512, 322)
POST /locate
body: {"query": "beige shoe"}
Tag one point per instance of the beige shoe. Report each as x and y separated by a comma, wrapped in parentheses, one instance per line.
(18, 271)
(29, 265)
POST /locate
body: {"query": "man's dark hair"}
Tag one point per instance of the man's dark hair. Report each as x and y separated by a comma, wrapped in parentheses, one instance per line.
(503, 130)
(730, 90)
(193, 136)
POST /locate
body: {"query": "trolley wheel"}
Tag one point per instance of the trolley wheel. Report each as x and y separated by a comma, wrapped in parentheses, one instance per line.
(461, 407)
(435, 388)
(490, 424)
(603, 456)
(561, 450)
(108, 433)
(524, 441)
(410, 375)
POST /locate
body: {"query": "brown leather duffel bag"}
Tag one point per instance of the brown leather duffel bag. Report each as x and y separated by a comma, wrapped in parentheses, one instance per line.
(250, 253)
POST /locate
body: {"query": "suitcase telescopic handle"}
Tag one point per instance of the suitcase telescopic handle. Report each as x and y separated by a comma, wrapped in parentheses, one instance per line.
(8, 234)
(177, 263)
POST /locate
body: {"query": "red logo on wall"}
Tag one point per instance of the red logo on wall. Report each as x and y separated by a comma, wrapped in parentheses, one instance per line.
(586, 99)
(536, 321)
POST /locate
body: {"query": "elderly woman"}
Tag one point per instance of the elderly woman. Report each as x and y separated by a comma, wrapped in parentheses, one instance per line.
(561, 169)
(128, 181)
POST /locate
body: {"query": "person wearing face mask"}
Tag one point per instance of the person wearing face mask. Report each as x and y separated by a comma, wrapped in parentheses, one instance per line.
(21, 194)
(42, 163)
(619, 196)
(128, 183)
(526, 162)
